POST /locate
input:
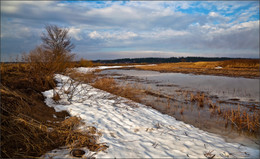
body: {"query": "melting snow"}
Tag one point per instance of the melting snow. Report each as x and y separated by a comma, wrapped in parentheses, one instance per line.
(90, 69)
(139, 132)
(218, 67)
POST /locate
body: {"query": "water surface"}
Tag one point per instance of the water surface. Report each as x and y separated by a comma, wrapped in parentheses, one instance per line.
(244, 89)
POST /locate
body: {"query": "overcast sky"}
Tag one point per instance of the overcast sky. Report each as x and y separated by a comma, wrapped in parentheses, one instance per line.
(121, 29)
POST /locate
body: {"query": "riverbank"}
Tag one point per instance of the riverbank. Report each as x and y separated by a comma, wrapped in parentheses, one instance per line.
(140, 131)
(204, 101)
(233, 68)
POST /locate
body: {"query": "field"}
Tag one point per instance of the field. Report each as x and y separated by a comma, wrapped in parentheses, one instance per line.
(234, 68)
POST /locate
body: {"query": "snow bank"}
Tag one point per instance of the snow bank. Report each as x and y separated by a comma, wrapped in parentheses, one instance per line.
(90, 69)
(140, 132)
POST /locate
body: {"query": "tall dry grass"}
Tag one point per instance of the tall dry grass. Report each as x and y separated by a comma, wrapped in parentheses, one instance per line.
(25, 137)
(241, 63)
(28, 128)
(85, 63)
(128, 91)
(242, 120)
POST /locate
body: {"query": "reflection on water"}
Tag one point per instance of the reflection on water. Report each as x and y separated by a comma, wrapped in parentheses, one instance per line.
(243, 89)
(177, 88)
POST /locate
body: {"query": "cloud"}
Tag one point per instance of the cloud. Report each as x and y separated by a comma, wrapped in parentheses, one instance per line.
(95, 35)
(117, 28)
(75, 33)
(116, 36)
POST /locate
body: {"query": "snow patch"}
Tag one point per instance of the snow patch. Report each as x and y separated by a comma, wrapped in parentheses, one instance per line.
(139, 132)
(218, 67)
(91, 69)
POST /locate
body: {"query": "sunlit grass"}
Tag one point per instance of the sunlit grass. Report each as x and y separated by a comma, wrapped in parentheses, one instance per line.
(238, 68)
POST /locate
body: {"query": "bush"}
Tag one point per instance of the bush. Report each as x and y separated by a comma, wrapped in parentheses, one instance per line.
(85, 63)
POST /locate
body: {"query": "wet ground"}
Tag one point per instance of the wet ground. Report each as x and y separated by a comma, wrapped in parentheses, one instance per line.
(179, 95)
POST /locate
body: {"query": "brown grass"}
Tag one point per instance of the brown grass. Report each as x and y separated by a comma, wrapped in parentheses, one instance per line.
(28, 128)
(238, 68)
(85, 63)
(25, 137)
(82, 77)
(111, 86)
(199, 98)
(242, 120)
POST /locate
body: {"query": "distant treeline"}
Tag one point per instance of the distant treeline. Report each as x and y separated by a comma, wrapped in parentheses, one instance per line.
(165, 60)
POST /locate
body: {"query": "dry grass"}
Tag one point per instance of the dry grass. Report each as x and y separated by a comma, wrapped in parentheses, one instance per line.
(239, 63)
(82, 77)
(111, 86)
(85, 63)
(242, 120)
(199, 98)
(28, 128)
(237, 68)
(25, 137)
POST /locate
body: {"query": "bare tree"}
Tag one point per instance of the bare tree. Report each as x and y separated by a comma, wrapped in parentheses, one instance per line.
(54, 54)
(57, 44)
(57, 41)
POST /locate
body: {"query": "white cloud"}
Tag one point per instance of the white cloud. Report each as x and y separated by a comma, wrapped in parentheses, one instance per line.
(108, 35)
(235, 28)
(246, 25)
(95, 35)
(75, 33)
(15, 6)
(9, 9)
(213, 14)
(125, 36)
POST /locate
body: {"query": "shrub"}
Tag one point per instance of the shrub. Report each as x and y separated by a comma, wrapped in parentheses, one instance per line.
(85, 63)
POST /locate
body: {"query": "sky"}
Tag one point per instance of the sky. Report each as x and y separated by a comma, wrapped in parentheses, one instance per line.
(134, 29)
